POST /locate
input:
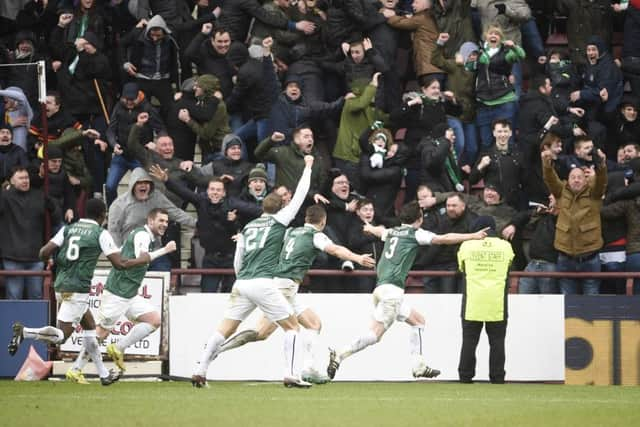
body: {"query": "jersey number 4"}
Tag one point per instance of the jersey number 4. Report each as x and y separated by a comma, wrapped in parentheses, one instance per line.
(256, 238)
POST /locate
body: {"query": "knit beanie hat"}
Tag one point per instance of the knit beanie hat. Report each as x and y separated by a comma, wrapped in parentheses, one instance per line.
(259, 172)
(230, 140)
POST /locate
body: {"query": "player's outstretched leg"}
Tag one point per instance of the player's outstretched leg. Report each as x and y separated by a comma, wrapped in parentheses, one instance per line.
(360, 343)
(334, 364)
(238, 340)
(49, 334)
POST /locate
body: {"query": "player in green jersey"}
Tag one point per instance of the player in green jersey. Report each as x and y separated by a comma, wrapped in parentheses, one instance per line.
(120, 296)
(257, 252)
(300, 248)
(400, 250)
(80, 246)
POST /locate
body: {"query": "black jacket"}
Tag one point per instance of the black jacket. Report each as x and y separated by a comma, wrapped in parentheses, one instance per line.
(236, 18)
(286, 115)
(441, 255)
(122, 119)
(256, 89)
(10, 156)
(420, 119)
(201, 52)
(433, 171)
(22, 219)
(213, 226)
(362, 243)
(535, 110)
(506, 170)
(541, 246)
(78, 90)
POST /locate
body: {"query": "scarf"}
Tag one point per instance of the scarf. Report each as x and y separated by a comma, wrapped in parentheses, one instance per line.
(450, 165)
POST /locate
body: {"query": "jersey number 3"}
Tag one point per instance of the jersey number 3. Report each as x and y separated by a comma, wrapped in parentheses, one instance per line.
(393, 242)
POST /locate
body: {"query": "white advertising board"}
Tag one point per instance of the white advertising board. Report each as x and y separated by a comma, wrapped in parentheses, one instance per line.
(534, 343)
(154, 287)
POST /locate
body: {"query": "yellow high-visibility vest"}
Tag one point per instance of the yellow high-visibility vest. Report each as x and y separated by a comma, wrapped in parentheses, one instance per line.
(485, 264)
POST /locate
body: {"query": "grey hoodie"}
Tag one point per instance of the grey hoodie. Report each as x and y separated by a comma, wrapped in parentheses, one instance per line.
(126, 212)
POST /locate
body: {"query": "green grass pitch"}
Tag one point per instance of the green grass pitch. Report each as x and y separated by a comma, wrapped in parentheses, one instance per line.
(248, 404)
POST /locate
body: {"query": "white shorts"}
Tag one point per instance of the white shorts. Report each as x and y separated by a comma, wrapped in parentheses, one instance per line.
(246, 295)
(389, 305)
(73, 306)
(289, 289)
(112, 307)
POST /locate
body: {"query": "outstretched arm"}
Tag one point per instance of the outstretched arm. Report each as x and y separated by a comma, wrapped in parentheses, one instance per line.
(345, 254)
(289, 212)
(455, 238)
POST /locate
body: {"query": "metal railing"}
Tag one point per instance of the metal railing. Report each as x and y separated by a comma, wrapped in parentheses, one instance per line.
(411, 285)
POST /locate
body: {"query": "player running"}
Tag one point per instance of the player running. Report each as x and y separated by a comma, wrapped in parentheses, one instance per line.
(80, 246)
(301, 246)
(400, 249)
(257, 252)
(120, 296)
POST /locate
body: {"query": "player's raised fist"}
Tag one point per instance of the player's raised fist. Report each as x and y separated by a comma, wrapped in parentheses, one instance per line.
(308, 161)
(170, 247)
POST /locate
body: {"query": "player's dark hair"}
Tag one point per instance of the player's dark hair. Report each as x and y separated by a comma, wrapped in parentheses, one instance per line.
(155, 212)
(95, 209)
(272, 203)
(410, 213)
(315, 214)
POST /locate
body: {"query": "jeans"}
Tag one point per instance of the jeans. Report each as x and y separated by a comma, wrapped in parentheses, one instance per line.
(585, 265)
(466, 145)
(531, 39)
(119, 167)
(16, 284)
(633, 265)
(538, 285)
(487, 114)
(258, 129)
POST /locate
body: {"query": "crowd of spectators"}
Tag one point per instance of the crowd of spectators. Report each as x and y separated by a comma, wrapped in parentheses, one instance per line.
(460, 104)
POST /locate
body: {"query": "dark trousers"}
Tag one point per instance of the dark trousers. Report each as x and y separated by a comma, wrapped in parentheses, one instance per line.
(496, 332)
(215, 283)
(162, 90)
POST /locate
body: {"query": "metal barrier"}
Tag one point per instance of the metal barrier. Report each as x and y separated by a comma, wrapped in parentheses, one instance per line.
(411, 285)
(46, 283)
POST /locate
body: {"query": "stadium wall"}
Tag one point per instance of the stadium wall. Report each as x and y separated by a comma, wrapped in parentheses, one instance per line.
(535, 344)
